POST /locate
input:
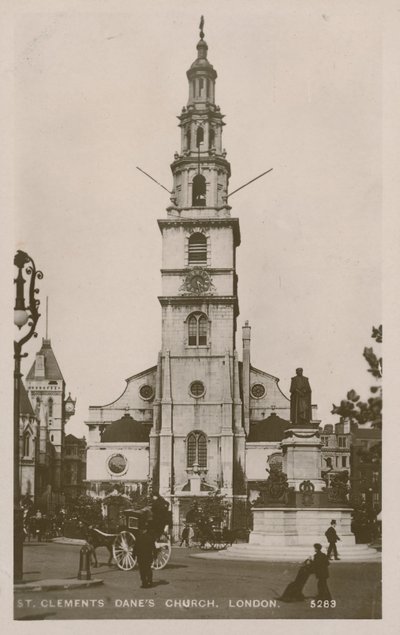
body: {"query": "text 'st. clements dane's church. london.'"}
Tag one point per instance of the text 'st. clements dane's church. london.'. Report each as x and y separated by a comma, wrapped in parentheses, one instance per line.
(199, 420)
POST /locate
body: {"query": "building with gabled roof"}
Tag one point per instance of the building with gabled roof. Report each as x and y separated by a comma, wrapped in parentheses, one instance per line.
(45, 386)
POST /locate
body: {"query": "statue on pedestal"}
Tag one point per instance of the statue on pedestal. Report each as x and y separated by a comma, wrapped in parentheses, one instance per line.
(300, 400)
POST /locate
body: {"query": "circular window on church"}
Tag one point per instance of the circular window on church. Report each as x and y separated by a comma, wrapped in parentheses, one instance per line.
(146, 392)
(258, 391)
(197, 389)
(117, 464)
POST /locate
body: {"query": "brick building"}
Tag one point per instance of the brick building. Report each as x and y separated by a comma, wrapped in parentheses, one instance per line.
(336, 449)
(366, 469)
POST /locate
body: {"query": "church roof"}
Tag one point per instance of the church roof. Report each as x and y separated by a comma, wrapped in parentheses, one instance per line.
(51, 367)
(71, 439)
(270, 429)
(125, 430)
(25, 406)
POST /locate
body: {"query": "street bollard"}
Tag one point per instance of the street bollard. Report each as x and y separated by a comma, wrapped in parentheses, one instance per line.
(84, 563)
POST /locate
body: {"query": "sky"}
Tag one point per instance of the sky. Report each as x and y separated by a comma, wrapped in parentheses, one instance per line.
(96, 93)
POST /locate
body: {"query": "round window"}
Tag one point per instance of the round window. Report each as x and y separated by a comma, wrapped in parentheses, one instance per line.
(146, 392)
(197, 389)
(117, 464)
(258, 391)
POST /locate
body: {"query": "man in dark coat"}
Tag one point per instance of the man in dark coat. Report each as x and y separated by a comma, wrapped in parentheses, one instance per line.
(161, 515)
(320, 568)
(145, 552)
(332, 539)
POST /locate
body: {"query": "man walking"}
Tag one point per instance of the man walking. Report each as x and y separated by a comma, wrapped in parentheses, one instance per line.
(145, 552)
(332, 539)
(320, 568)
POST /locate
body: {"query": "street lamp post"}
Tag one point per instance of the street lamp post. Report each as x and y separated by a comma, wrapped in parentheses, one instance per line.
(25, 314)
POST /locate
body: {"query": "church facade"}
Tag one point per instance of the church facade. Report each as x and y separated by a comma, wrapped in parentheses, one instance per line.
(200, 420)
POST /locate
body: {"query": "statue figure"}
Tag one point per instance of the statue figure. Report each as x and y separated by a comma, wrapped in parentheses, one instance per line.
(300, 399)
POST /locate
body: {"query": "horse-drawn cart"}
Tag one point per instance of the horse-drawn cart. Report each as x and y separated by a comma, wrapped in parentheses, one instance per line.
(124, 544)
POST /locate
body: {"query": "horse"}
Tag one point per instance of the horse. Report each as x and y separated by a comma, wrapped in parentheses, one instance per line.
(97, 538)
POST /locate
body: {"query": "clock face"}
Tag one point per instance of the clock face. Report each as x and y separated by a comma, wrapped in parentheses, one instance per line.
(69, 407)
(198, 284)
(197, 281)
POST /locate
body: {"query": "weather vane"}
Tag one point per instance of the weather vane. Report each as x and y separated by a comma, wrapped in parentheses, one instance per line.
(201, 27)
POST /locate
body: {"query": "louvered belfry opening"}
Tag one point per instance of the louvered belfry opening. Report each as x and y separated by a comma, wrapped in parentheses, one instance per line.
(199, 191)
(198, 249)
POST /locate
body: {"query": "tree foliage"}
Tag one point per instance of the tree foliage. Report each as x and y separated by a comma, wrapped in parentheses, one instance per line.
(86, 509)
(369, 411)
(214, 508)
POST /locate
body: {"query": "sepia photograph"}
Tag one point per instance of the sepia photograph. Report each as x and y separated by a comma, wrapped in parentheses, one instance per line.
(197, 405)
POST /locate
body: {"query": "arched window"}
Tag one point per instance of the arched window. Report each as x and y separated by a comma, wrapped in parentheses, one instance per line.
(198, 249)
(50, 406)
(188, 139)
(196, 447)
(197, 329)
(199, 191)
(211, 138)
(27, 444)
(199, 135)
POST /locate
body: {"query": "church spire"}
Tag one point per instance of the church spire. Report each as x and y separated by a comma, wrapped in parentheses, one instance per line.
(201, 171)
(201, 74)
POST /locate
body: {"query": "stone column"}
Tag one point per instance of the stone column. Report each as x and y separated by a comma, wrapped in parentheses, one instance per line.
(246, 334)
(166, 465)
(155, 430)
(226, 429)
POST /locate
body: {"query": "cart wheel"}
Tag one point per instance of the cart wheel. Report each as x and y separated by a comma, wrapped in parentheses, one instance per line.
(163, 555)
(124, 551)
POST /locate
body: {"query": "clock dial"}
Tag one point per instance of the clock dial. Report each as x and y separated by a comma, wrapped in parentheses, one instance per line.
(198, 284)
(197, 281)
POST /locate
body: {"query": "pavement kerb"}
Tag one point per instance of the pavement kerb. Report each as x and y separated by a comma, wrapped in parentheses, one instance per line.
(53, 585)
(68, 541)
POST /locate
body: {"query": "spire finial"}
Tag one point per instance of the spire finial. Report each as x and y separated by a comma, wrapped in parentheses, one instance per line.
(201, 27)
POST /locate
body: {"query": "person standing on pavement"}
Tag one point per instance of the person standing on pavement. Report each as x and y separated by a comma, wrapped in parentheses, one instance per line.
(320, 568)
(145, 552)
(185, 536)
(332, 539)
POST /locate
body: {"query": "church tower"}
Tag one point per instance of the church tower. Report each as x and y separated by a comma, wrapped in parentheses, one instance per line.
(45, 386)
(197, 440)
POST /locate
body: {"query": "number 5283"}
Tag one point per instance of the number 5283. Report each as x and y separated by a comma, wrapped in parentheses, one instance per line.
(322, 604)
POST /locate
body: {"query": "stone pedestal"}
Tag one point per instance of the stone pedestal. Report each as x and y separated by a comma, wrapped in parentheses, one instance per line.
(282, 526)
(299, 510)
(301, 449)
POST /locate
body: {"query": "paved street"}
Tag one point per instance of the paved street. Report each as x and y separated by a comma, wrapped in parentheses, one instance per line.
(191, 588)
